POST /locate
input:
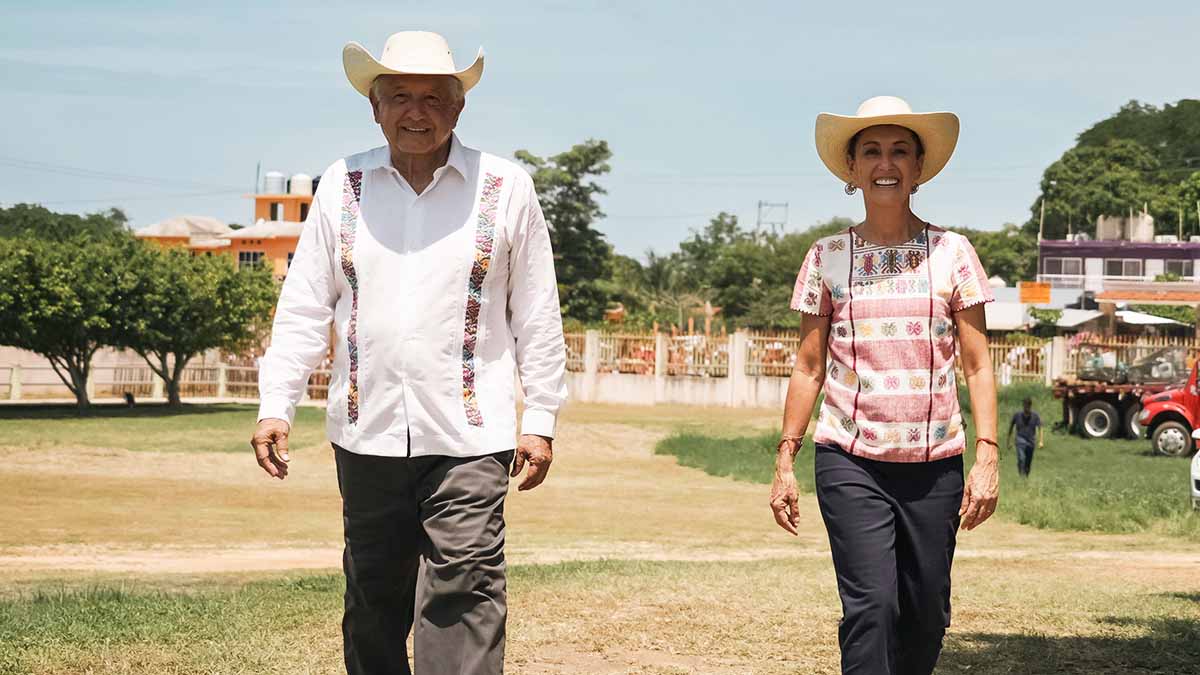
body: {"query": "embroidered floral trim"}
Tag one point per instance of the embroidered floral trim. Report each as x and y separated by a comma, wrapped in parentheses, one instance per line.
(485, 231)
(350, 200)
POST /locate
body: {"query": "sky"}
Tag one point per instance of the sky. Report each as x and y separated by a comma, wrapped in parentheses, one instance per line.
(167, 108)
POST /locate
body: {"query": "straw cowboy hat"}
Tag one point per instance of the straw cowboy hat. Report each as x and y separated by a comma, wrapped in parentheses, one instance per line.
(938, 132)
(407, 53)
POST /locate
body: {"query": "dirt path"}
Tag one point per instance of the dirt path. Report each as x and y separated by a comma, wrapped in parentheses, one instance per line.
(608, 497)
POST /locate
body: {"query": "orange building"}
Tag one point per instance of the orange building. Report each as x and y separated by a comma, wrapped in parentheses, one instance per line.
(272, 240)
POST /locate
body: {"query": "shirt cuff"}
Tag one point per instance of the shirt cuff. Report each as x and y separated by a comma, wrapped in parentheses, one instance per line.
(278, 409)
(538, 422)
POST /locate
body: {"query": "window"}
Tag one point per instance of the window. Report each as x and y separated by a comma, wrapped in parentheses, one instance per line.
(1183, 268)
(276, 210)
(249, 258)
(1122, 267)
(1062, 266)
(303, 212)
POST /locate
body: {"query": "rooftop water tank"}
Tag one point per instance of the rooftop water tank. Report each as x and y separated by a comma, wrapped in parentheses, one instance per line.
(274, 183)
(300, 184)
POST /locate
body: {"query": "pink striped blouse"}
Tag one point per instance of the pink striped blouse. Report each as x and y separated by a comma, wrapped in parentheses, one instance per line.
(890, 391)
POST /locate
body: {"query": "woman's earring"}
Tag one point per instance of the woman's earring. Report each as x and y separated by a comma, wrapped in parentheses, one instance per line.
(850, 188)
(916, 186)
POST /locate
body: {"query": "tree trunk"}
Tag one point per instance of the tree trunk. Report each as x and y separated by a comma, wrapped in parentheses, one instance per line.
(79, 378)
(75, 377)
(175, 383)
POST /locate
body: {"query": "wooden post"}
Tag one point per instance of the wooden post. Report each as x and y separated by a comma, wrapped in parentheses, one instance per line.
(223, 380)
(156, 386)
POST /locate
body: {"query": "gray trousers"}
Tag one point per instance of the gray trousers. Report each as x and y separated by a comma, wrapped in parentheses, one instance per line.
(424, 548)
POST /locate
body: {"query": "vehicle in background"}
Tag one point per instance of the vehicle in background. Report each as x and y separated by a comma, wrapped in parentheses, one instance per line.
(1171, 417)
(1105, 399)
(1195, 480)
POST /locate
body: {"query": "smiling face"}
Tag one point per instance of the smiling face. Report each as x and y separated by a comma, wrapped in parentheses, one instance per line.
(885, 162)
(417, 113)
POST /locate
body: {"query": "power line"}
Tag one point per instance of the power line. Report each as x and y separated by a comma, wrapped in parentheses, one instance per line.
(142, 198)
(98, 174)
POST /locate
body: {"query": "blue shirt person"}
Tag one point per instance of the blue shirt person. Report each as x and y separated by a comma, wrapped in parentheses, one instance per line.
(1027, 425)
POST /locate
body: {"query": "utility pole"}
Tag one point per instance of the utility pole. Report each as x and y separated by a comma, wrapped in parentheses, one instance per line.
(1042, 221)
(769, 214)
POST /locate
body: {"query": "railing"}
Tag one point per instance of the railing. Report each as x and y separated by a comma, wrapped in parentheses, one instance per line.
(771, 354)
(576, 344)
(1019, 361)
(698, 355)
(626, 354)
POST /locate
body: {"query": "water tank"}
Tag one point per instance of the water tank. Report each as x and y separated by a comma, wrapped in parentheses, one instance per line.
(274, 183)
(1109, 228)
(1141, 228)
(300, 184)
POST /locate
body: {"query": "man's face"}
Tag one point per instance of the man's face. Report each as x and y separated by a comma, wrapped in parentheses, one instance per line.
(416, 112)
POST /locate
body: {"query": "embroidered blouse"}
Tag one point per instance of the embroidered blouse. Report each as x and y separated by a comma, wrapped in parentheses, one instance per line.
(437, 300)
(890, 390)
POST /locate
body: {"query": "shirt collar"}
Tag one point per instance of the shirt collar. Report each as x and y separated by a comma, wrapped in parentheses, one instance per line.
(457, 160)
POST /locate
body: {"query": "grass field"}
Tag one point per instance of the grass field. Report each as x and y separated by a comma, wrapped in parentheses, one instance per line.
(151, 544)
(1076, 484)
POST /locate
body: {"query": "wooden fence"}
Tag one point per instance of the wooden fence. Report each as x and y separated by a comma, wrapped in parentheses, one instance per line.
(770, 355)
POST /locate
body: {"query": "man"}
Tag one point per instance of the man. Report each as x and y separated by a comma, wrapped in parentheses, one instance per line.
(433, 262)
(1026, 423)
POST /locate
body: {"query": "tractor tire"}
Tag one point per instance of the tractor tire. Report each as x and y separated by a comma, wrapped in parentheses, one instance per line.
(1172, 439)
(1133, 429)
(1099, 419)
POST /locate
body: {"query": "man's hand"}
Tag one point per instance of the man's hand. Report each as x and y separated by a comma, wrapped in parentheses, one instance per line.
(785, 499)
(270, 443)
(980, 494)
(538, 452)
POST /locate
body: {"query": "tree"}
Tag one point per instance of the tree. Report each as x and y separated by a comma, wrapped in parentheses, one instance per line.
(65, 299)
(1171, 133)
(583, 259)
(1091, 181)
(39, 222)
(1009, 253)
(185, 305)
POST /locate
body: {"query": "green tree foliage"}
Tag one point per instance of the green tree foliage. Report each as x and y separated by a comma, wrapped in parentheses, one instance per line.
(582, 257)
(1091, 181)
(1008, 253)
(185, 305)
(1171, 132)
(1142, 156)
(37, 221)
(66, 299)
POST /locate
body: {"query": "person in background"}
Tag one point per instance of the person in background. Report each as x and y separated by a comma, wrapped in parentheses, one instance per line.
(1026, 423)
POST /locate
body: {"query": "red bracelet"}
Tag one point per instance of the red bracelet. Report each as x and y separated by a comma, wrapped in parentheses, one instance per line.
(987, 440)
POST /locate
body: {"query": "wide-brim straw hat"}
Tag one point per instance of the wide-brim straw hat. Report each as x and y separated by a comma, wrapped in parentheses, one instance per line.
(407, 53)
(938, 132)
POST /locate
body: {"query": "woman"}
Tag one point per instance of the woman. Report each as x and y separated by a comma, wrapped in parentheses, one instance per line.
(883, 301)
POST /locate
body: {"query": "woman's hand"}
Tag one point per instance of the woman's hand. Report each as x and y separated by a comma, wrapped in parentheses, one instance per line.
(785, 497)
(981, 492)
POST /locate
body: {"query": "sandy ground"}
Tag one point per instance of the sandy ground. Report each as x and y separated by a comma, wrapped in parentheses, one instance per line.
(608, 497)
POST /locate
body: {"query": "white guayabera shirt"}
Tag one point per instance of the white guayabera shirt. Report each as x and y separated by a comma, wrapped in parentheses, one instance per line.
(437, 299)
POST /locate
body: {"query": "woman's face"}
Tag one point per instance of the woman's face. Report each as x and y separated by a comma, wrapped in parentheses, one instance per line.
(885, 164)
